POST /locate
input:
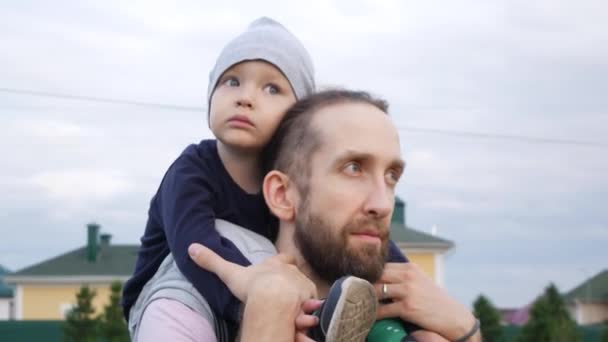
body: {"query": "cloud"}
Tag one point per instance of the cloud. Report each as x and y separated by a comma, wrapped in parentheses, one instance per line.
(49, 130)
(78, 186)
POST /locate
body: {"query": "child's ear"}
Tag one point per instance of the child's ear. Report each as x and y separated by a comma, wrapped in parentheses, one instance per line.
(279, 195)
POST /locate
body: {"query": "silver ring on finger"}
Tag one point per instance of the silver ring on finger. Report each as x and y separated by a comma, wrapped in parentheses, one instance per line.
(384, 291)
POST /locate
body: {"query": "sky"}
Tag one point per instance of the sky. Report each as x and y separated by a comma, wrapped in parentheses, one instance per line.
(501, 108)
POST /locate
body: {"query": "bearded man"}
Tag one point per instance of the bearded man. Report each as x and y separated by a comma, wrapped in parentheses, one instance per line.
(333, 166)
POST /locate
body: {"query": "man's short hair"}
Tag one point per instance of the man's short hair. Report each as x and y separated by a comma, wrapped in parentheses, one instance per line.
(294, 141)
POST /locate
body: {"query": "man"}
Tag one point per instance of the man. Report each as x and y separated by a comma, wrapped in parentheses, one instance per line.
(334, 164)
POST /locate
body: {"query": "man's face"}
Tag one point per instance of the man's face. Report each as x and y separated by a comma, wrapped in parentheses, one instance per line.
(343, 219)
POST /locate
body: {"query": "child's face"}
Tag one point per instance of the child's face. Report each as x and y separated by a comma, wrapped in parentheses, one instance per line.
(248, 103)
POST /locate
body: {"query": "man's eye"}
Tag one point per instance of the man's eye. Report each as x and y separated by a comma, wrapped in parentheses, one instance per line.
(232, 82)
(393, 177)
(272, 89)
(352, 168)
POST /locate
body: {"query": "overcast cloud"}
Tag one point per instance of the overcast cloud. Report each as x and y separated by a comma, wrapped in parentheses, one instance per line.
(522, 214)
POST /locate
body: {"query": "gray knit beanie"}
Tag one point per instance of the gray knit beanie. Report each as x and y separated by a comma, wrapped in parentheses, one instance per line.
(267, 40)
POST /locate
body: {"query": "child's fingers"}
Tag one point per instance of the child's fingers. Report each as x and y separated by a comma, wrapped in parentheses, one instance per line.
(209, 260)
(310, 305)
(304, 322)
(301, 337)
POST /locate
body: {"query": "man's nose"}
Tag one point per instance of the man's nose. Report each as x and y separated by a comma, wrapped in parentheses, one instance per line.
(380, 200)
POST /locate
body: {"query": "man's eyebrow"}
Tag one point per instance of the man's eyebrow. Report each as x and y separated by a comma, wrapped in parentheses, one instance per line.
(357, 155)
(398, 164)
(351, 154)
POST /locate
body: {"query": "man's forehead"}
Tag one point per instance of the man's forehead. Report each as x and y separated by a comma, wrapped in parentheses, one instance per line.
(355, 127)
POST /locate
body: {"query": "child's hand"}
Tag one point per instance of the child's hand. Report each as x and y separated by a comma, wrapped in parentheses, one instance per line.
(306, 320)
(275, 283)
(277, 275)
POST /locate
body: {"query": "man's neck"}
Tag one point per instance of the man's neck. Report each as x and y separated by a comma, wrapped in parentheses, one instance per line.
(243, 166)
(285, 244)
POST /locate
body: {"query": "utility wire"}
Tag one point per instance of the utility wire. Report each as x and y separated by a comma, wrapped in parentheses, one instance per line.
(519, 138)
(100, 99)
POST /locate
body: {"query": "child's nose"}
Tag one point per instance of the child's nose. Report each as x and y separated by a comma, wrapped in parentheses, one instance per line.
(245, 97)
(244, 103)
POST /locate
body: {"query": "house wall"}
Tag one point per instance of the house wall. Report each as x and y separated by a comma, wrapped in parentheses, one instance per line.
(426, 261)
(51, 302)
(589, 313)
(6, 308)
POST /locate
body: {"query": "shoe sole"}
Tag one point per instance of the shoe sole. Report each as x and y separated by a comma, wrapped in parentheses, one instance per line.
(357, 312)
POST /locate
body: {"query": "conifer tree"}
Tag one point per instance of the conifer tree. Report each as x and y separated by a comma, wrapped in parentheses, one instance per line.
(550, 320)
(489, 317)
(81, 324)
(604, 336)
(112, 324)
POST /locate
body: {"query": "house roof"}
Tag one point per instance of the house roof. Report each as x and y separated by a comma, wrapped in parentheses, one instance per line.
(5, 290)
(515, 316)
(119, 260)
(410, 237)
(112, 260)
(594, 289)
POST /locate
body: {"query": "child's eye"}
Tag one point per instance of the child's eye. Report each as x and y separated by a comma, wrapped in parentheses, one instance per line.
(272, 89)
(231, 82)
(352, 168)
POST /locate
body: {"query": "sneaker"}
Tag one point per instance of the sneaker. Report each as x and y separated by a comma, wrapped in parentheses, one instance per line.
(348, 313)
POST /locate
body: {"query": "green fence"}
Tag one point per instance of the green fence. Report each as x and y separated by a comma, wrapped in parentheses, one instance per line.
(27, 331)
(51, 331)
(590, 333)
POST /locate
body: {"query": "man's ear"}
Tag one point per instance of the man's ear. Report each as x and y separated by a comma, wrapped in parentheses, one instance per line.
(279, 195)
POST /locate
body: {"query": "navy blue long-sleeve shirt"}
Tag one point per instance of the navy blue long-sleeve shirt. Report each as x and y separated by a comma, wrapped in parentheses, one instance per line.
(195, 191)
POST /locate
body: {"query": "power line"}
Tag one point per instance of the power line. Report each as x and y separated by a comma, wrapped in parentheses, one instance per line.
(100, 99)
(469, 134)
(519, 138)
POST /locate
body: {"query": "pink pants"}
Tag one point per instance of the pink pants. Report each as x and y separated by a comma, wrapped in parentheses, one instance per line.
(170, 320)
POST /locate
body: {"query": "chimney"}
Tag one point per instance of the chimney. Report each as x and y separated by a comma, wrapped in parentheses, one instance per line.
(398, 212)
(92, 233)
(105, 241)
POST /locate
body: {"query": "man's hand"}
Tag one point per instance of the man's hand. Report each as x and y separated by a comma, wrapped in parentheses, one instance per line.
(418, 299)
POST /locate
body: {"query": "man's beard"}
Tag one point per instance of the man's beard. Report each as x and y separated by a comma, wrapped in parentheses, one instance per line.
(330, 256)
